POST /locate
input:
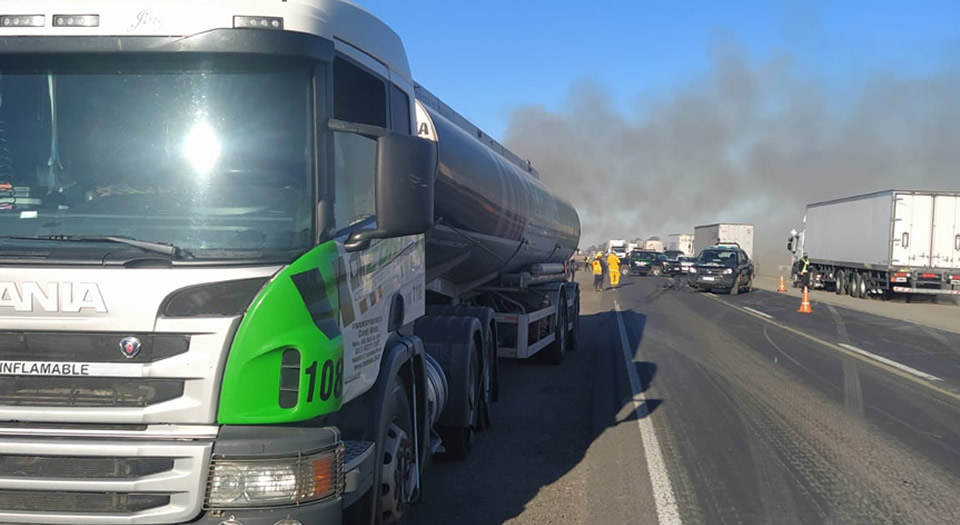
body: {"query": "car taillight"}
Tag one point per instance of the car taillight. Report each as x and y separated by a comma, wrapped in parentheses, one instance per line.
(928, 276)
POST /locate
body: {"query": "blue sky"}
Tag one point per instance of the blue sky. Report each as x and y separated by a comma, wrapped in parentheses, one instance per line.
(487, 58)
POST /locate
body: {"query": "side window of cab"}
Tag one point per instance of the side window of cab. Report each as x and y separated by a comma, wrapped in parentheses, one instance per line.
(359, 96)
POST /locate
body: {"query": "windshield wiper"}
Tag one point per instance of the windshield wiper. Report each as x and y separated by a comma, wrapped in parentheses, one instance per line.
(149, 246)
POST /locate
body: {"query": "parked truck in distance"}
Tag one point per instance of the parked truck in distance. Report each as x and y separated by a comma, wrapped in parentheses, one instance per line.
(251, 272)
(888, 242)
(720, 234)
(652, 245)
(617, 247)
(682, 242)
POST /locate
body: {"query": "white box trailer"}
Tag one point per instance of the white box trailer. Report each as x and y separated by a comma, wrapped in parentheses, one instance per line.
(712, 234)
(900, 241)
(682, 242)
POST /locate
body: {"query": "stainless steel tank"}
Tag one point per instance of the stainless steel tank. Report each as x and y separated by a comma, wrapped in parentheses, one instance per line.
(493, 216)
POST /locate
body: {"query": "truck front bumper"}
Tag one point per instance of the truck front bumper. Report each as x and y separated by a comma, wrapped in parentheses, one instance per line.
(324, 513)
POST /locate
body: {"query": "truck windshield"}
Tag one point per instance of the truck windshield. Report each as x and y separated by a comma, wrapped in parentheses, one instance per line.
(213, 156)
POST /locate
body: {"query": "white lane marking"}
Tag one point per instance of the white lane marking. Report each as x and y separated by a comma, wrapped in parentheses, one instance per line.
(711, 294)
(891, 362)
(667, 511)
(758, 312)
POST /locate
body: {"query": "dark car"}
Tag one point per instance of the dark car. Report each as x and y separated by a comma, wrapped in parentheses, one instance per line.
(644, 262)
(671, 263)
(722, 268)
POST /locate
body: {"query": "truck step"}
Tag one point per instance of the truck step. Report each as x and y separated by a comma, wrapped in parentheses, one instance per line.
(355, 452)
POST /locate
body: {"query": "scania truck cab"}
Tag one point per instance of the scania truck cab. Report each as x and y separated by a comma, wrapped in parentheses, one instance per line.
(201, 205)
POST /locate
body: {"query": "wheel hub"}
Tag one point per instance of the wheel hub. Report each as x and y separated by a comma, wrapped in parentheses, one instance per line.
(397, 482)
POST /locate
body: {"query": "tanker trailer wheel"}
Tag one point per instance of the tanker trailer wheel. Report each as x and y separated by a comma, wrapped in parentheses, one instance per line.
(458, 441)
(553, 353)
(398, 470)
(839, 279)
(573, 336)
(852, 284)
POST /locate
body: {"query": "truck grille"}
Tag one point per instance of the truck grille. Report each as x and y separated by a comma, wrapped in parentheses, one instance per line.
(101, 482)
(83, 467)
(54, 391)
(81, 502)
(87, 347)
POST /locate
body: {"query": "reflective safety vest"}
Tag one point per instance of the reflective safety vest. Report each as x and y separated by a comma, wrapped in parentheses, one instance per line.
(596, 267)
(805, 266)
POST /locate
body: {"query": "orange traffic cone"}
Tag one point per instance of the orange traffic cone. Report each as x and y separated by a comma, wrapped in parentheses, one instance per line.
(783, 287)
(805, 303)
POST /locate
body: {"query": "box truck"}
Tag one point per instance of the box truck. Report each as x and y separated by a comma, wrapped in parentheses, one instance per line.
(723, 233)
(250, 272)
(682, 242)
(888, 242)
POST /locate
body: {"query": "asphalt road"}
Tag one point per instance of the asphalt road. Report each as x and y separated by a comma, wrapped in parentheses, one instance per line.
(731, 410)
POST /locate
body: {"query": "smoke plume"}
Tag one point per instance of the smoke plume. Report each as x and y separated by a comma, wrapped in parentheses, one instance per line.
(745, 143)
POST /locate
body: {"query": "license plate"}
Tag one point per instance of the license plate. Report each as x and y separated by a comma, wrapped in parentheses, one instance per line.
(706, 278)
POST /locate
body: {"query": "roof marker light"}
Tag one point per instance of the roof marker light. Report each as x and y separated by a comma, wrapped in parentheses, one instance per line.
(257, 22)
(76, 20)
(21, 20)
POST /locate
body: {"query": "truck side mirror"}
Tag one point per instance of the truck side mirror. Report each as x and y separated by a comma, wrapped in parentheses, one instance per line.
(406, 168)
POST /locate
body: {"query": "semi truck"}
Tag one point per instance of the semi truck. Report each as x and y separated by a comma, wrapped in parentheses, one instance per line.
(251, 273)
(883, 243)
(617, 247)
(682, 242)
(720, 234)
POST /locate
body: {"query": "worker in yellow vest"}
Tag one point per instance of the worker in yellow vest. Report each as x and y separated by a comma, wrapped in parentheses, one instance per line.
(613, 264)
(597, 269)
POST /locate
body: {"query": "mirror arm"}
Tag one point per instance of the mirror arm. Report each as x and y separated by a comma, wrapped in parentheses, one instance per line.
(360, 239)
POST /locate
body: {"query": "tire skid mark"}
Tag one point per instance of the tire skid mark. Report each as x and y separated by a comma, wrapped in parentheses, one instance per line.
(864, 475)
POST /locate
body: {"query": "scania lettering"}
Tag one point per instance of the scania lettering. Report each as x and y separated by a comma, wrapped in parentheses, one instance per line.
(251, 272)
(51, 297)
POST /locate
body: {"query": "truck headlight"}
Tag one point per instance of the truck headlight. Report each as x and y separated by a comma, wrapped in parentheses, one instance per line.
(692, 270)
(727, 271)
(265, 482)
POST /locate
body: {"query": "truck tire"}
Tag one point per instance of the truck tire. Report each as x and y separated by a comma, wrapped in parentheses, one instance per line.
(491, 366)
(852, 284)
(839, 280)
(553, 353)
(656, 271)
(452, 342)
(458, 441)
(397, 464)
(573, 336)
(863, 290)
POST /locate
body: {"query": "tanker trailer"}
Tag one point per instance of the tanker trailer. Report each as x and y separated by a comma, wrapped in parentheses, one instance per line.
(236, 285)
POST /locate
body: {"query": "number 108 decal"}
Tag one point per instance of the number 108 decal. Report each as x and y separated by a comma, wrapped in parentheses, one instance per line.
(331, 380)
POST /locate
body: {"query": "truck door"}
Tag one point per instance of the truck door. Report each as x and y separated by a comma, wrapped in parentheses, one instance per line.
(946, 232)
(913, 229)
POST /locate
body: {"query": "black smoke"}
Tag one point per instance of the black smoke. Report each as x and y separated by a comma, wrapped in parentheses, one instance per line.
(747, 142)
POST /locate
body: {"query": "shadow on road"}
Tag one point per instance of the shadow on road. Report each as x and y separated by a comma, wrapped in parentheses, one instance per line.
(544, 424)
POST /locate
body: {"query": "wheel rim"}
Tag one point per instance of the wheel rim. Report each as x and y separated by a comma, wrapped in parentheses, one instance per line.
(397, 479)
